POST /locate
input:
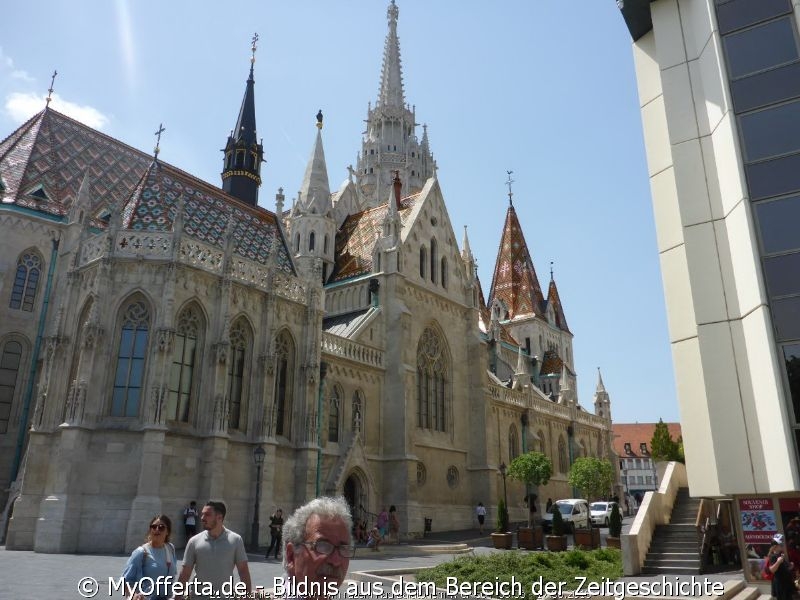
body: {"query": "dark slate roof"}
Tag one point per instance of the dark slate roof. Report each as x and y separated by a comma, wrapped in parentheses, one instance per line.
(344, 325)
(356, 238)
(52, 153)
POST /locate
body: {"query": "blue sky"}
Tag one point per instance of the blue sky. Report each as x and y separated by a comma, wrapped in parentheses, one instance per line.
(545, 89)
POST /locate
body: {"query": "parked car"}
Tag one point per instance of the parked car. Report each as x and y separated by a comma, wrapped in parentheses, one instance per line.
(574, 512)
(601, 512)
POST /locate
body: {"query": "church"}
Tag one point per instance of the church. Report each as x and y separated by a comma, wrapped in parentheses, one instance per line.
(159, 332)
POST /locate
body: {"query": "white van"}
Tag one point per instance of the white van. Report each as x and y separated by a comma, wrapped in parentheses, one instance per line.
(574, 512)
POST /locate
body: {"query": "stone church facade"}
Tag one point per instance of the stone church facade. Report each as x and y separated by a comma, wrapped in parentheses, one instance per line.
(156, 329)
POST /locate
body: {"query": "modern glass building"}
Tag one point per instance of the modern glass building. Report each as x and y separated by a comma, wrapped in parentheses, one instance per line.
(719, 91)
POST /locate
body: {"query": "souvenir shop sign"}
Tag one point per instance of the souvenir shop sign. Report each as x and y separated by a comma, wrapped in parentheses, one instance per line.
(758, 520)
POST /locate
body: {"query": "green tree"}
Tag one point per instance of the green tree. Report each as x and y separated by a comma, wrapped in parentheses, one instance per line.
(663, 447)
(615, 524)
(502, 517)
(593, 476)
(533, 469)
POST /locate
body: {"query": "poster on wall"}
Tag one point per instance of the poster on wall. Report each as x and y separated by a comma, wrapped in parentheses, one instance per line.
(758, 529)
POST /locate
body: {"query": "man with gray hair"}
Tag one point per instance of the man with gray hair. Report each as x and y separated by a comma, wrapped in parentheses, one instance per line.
(318, 548)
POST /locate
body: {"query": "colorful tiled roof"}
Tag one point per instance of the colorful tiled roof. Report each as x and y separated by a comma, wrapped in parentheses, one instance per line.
(551, 363)
(356, 238)
(207, 211)
(514, 280)
(558, 310)
(55, 152)
(637, 434)
(52, 153)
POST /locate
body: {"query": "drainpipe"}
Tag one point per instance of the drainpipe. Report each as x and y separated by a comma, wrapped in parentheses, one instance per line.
(26, 399)
(323, 370)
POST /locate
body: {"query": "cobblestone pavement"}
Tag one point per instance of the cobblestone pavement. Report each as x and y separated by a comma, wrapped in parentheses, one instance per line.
(29, 575)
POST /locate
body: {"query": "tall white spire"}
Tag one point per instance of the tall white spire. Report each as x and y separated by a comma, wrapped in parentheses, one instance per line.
(315, 189)
(390, 142)
(391, 92)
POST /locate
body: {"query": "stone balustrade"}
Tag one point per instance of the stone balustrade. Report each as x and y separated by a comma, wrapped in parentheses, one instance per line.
(350, 350)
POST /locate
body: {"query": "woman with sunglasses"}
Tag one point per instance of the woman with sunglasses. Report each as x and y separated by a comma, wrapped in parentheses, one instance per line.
(154, 559)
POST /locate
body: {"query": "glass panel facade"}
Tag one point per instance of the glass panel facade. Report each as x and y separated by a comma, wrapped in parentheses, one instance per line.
(761, 47)
(786, 318)
(736, 14)
(791, 356)
(778, 222)
(766, 88)
(771, 132)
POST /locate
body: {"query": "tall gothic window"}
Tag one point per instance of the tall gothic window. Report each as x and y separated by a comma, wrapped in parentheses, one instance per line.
(26, 281)
(434, 260)
(563, 463)
(513, 442)
(311, 239)
(284, 363)
(443, 272)
(358, 411)
(237, 361)
(583, 450)
(9, 371)
(131, 357)
(433, 382)
(333, 414)
(184, 351)
(423, 260)
(540, 433)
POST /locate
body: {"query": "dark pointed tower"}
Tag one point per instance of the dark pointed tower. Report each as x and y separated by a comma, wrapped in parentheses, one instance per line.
(241, 170)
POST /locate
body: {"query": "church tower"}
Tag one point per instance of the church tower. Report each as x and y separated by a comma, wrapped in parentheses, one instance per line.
(241, 171)
(602, 401)
(313, 228)
(390, 143)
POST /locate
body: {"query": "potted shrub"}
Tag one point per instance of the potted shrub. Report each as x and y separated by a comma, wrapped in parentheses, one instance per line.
(588, 538)
(614, 528)
(502, 537)
(533, 469)
(557, 541)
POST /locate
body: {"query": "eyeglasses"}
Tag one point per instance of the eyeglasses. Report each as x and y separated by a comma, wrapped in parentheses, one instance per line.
(158, 526)
(326, 548)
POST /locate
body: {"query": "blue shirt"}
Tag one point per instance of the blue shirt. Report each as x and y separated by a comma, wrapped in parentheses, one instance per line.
(152, 563)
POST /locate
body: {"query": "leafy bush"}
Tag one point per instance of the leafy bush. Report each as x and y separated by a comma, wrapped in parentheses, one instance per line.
(527, 567)
(615, 522)
(558, 522)
(502, 517)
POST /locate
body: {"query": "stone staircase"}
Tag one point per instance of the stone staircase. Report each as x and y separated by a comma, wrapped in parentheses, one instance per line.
(674, 548)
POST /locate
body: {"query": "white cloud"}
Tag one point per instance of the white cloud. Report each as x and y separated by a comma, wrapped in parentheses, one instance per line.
(7, 65)
(21, 107)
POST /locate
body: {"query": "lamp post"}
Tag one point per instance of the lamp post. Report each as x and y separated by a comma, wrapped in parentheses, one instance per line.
(258, 459)
(503, 470)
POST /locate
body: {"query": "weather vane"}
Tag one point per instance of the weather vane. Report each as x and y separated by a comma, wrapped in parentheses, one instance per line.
(50, 91)
(254, 41)
(158, 133)
(509, 181)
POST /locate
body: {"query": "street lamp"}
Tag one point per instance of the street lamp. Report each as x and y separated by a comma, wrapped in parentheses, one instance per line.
(258, 459)
(503, 470)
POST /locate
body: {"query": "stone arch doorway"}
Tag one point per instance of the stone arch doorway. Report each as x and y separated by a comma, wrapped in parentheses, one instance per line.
(354, 493)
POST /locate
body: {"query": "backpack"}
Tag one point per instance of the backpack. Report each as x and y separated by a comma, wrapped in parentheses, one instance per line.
(765, 571)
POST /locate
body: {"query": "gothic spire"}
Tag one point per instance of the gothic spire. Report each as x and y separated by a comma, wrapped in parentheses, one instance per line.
(515, 281)
(554, 300)
(600, 387)
(315, 192)
(391, 92)
(390, 142)
(241, 173)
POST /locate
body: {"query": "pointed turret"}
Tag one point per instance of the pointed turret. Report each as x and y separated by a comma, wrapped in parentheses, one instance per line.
(515, 281)
(241, 172)
(313, 228)
(390, 142)
(602, 401)
(566, 393)
(554, 301)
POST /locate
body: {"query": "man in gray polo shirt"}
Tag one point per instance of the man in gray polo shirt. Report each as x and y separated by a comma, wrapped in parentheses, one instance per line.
(212, 554)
